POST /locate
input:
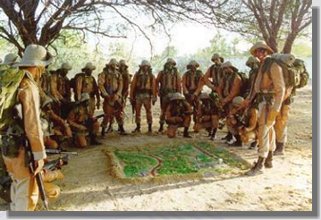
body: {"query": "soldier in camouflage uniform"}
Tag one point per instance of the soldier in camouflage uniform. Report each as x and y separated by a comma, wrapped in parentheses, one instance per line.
(143, 93)
(178, 114)
(208, 113)
(86, 83)
(82, 122)
(190, 81)
(213, 75)
(110, 83)
(253, 64)
(168, 81)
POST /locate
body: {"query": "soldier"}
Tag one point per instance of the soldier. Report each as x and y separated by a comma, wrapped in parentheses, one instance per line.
(190, 81)
(207, 114)
(24, 190)
(269, 88)
(82, 123)
(213, 75)
(110, 83)
(143, 93)
(168, 81)
(252, 63)
(178, 114)
(123, 69)
(86, 83)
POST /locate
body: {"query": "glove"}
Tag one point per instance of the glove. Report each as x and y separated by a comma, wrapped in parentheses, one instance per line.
(271, 117)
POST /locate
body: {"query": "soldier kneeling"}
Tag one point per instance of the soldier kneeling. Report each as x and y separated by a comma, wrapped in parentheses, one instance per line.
(82, 124)
(178, 114)
(207, 114)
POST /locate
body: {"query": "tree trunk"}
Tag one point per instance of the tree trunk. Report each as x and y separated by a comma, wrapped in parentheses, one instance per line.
(289, 42)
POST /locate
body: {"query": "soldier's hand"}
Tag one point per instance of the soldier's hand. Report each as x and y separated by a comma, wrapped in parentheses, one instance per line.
(39, 166)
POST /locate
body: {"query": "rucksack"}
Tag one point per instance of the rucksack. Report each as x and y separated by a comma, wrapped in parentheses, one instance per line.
(302, 75)
(10, 79)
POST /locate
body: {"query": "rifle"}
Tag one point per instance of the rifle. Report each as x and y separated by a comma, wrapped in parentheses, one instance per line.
(90, 121)
(60, 151)
(32, 167)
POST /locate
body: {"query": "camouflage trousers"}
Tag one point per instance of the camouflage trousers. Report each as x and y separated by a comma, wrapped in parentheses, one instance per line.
(112, 110)
(281, 124)
(147, 103)
(173, 125)
(205, 122)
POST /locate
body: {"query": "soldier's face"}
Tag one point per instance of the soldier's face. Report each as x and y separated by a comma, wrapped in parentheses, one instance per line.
(261, 53)
(88, 72)
(145, 68)
(217, 61)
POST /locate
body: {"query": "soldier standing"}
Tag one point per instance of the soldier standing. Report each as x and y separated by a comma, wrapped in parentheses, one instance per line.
(270, 89)
(110, 83)
(86, 83)
(143, 93)
(168, 81)
(178, 114)
(253, 64)
(63, 86)
(190, 81)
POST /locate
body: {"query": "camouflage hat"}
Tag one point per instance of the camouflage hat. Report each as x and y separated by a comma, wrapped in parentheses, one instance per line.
(144, 63)
(261, 45)
(237, 100)
(193, 63)
(171, 60)
(228, 64)
(123, 63)
(113, 61)
(177, 96)
(89, 66)
(47, 100)
(285, 58)
(35, 55)
(217, 56)
(10, 59)
(204, 95)
(251, 60)
(84, 97)
(66, 66)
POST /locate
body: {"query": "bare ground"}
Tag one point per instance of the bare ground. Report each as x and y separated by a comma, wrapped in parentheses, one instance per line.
(286, 187)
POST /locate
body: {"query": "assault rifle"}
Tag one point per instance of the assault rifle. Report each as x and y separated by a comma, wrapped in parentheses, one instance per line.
(60, 151)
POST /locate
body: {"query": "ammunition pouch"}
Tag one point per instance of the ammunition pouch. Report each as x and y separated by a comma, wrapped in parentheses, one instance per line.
(265, 96)
(165, 92)
(144, 91)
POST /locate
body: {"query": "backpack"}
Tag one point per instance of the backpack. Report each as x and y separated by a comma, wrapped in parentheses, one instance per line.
(302, 75)
(245, 83)
(10, 79)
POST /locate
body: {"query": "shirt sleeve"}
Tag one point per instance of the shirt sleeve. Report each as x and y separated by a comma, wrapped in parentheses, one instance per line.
(30, 101)
(279, 86)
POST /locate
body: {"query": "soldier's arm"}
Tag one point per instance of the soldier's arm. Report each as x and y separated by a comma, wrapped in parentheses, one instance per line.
(235, 91)
(72, 121)
(96, 90)
(179, 83)
(29, 99)
(78, 87)
(120, 86)
(158, 79)
(101, 82)
(154, 90)
(57, 119)
(184, 84)
(207, 80)
(252, 120)
(53, 87)
(133, 87)
(279, 86)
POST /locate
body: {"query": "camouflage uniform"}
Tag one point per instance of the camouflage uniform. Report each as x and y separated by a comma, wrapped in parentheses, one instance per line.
(178, 114)
(63, 86)
(168, 81)
(82, 123)
(86, 83)
(143, 93)
(254, 64)
(110, 83)
(190, 81)
(207, 114)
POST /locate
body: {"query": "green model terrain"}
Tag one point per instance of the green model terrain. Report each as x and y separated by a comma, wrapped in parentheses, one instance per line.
(177, 159)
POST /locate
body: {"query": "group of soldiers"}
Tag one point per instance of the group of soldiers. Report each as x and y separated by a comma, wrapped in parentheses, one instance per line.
(254, 109)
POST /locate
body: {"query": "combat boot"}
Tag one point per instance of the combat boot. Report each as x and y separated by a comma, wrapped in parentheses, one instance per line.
(238, 142)
(122, 130)
(257, 168)
(228, 137)
(186, 134)
(213, 134)
(161, 127)
(103, 131)
(137, 129)
(268, 160)
(150, 128)
(93, 140)
(279, 149)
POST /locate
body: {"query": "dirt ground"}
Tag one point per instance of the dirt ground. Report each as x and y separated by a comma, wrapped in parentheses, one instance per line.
(286, 187)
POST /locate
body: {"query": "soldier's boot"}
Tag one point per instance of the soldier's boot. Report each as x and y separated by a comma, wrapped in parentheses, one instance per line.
(103, 131)
(268, 160)
(137, 129)
(257, 168)
(279, 149)
(161, 127)
(121, 130)
(150, 128)
(110, 128)
(186, 134)
(228, 137)
(213, 134)
(238, 142)
(253, 145)
(93, 140)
